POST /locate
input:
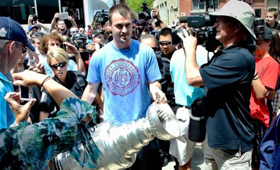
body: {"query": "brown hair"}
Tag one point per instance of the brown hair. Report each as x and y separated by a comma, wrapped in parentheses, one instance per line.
(45, 40)
(274, 47)
(121, 8)
(274, 11)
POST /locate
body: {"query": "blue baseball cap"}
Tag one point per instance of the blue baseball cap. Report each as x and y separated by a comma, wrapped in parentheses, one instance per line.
(32, 26)
(12, 30)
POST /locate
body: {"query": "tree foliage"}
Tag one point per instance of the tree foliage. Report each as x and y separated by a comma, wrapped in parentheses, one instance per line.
(136, 4)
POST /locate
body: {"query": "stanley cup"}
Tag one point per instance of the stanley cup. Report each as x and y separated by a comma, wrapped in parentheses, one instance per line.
(120, 143)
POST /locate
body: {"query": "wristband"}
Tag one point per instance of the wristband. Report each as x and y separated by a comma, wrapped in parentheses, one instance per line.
(46, 79)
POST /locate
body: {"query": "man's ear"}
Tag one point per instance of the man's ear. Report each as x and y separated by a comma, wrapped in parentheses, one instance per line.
(11, 47)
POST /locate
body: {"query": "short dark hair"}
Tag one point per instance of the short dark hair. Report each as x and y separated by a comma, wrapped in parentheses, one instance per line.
(121, 8)
(274, 11)
(165, 31)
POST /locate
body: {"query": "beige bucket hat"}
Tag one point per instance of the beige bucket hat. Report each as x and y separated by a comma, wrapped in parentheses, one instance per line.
(239, 10)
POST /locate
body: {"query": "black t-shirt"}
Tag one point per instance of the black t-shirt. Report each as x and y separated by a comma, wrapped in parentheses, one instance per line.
(49, 105)
(227, 78)
(167, 85)
(276, 26)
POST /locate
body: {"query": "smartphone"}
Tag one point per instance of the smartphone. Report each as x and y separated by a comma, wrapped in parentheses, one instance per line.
(63, 16)
(26, 93)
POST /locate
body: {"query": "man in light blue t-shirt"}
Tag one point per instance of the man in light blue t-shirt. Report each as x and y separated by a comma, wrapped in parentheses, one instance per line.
(128, 71)
(182, 148)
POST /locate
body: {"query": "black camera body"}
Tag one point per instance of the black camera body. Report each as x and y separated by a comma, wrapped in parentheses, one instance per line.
(79, 40)
(101, 17)
(203, 27)
(259, 29)
(144, 22)
(35, 18)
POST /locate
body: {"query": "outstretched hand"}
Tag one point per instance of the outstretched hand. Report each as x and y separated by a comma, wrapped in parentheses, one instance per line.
(21, 111)
(158, 95)
(28, 78)
(189, 39)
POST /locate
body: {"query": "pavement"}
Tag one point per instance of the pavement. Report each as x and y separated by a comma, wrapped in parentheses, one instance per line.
(197, 160)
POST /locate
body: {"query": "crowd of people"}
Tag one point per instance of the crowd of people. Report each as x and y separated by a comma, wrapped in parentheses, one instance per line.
(80, 77)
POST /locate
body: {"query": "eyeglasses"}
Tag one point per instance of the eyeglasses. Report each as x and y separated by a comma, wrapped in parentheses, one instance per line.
(74, 31)
(60, 65)
(165, 43)
(24, 49)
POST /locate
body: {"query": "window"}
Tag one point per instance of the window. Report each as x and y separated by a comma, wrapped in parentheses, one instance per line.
(19, 10)
(258, 1)
(75, 9)
(201, 5)
(46, 10)
(258, 13)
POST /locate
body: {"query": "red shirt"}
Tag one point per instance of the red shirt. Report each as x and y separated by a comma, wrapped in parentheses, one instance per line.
(268, 72)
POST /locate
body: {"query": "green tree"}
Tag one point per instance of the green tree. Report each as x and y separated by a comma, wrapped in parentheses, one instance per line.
(136, 4)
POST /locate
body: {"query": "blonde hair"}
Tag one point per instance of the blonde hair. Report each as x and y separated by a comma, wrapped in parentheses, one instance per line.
(58, 53)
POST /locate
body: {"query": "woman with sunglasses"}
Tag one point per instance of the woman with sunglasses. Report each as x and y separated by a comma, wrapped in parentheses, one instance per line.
(73, 80)
(55, 40)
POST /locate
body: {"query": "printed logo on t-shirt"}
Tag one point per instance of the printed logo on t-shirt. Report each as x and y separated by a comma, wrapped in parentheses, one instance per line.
(121, 77)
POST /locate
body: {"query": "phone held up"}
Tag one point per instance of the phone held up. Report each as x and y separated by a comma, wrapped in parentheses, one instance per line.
(63, 16)
(26, 93)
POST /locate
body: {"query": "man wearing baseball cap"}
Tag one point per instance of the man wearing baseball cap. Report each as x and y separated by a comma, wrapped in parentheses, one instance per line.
(227, 82)
(13, 43)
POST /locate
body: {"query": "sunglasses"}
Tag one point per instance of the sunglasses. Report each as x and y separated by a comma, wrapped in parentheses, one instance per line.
(24, 49)
(60, 65)
(165, 43)
(74, 31)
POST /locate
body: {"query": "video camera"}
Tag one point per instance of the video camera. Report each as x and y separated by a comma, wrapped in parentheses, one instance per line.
(79, 40)
(144, 22)
(203, 27)
(259, 29)
(35, 17)
(101, 17)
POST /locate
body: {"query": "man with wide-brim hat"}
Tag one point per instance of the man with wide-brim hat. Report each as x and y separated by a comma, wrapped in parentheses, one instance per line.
(227, 87)
(13, 43)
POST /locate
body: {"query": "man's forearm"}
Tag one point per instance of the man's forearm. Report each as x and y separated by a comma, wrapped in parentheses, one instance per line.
(90, 93)
(80, 63)
(192, 69)
(259, 89)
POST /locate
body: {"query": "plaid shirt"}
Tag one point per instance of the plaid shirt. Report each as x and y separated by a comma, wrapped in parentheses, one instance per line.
(275, 102)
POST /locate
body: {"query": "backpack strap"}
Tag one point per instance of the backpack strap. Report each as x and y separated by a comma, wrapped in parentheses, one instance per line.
(80, 80)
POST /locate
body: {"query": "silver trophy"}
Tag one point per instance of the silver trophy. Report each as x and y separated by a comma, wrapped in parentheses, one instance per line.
(120, 143)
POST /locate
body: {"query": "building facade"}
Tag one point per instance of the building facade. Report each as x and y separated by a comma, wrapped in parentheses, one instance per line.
(19, 10)
(170, 10)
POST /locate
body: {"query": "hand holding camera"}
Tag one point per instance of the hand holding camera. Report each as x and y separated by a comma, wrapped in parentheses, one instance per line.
(21, 111)
(189, 39)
